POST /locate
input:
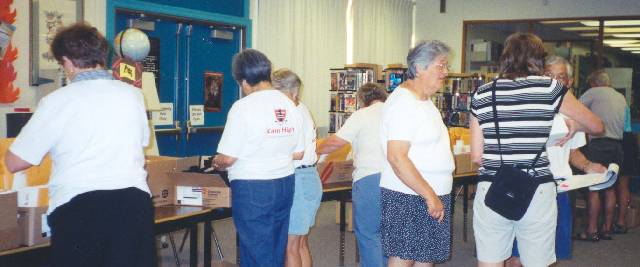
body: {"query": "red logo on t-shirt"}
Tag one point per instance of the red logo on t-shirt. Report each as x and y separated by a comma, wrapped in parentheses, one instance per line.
(281, 115)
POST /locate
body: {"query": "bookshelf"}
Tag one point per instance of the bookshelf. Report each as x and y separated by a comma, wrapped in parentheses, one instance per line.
(394, 75)
(454, 100)
(344, 85)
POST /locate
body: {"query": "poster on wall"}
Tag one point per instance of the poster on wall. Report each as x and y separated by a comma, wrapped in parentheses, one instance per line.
(213, 91)
(151, 63)
(47, 18)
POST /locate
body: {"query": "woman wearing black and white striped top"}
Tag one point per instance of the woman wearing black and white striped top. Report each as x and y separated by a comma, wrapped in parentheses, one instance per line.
(526, 103)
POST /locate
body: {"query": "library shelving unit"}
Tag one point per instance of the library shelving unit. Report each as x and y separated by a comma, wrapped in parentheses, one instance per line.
(394, 75)
(454, 100)
(344, 84)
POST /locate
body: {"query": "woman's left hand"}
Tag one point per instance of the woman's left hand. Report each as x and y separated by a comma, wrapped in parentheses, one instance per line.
(435, 207)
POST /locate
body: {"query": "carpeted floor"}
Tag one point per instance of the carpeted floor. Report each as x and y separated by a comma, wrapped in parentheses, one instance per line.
(624, 250)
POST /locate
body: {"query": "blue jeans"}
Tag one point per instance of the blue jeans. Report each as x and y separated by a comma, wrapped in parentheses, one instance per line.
(563, 229)
(261, 216)
(366, 214)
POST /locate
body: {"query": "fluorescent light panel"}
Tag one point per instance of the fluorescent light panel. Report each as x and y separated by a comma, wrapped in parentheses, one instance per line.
(627, 35)
(635, 52)
(630, 48)
(622, 30)
(595, 23)
(558, 21)
(620, 41)
(624, 45)
(581, 28)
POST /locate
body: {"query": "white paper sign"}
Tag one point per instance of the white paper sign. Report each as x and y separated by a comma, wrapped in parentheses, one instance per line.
(196, 115)
(163, 116)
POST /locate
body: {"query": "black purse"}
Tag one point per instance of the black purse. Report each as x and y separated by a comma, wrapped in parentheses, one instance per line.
(512, 189)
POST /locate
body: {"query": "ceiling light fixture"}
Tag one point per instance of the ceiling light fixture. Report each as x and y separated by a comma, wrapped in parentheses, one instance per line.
(595, 23)
(620, 41)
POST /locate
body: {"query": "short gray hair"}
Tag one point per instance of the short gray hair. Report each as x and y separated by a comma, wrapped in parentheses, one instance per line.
(599, 78)
(555, 59)
(423, 54)
(369, 92)
(286, 81)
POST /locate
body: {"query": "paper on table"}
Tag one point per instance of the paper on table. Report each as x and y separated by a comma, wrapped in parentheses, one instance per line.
(601, 180)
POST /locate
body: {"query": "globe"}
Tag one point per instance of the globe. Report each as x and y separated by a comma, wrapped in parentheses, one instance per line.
(132, 43)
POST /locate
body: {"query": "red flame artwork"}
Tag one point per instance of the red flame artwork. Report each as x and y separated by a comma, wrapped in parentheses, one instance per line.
(8, 93)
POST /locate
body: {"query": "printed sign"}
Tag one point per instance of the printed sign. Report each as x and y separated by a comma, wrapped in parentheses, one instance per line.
(196, 115)
(163, 116)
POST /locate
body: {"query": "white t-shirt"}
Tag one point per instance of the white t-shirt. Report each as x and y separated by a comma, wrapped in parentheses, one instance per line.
(263, 130)
(95, 131)
(406, 118)
(310, 157)
(362, 130)
(559, 155)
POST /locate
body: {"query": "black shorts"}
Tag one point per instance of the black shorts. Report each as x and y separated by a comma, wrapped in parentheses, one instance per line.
(104, 228)
(604, 151)
(630, 147)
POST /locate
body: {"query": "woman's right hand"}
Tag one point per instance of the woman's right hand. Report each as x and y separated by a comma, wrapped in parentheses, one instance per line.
(435, 207)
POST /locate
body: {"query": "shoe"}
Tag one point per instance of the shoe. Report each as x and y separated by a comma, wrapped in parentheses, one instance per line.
(593, 237)
(619, 229)
(606, 235)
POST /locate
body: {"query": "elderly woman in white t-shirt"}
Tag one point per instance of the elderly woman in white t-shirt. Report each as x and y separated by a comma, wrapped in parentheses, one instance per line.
(262, 137)
(417, 177)
(362, 130)
(308, 188)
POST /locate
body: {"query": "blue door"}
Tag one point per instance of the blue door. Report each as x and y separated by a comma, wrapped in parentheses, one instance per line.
(193, 68)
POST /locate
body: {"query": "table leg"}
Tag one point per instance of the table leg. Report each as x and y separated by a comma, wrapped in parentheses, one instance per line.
(207, 244)
(342, 230)
(193, 245)
(465, 208)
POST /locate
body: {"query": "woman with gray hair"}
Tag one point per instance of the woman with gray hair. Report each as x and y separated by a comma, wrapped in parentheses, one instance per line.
(308, 188)
(417, 177)
(362, 130)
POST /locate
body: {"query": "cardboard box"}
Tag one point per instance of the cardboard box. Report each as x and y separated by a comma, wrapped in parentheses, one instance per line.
(463, 164)
(8, 209)
(170, 186)
(30, 222)
(10, 237)
(33, 196)
(336, 171)
(160, 184)
(199, 189)
(9, 231)
(163, 188)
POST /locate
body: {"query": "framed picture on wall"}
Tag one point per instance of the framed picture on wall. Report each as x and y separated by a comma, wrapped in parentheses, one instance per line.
(47, 18)
(213, 91)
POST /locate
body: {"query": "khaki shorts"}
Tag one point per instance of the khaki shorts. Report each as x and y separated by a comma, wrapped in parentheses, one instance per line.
(536, 231)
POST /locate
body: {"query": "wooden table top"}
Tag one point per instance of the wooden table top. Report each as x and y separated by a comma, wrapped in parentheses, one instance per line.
(162, 214)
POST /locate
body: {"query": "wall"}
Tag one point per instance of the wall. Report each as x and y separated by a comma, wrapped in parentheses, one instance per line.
(447, 27)
(94, 13)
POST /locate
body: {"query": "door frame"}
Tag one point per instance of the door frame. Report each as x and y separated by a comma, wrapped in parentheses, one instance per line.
(171, 11)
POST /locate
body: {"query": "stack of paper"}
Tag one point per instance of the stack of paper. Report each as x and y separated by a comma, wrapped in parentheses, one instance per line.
(595, 181)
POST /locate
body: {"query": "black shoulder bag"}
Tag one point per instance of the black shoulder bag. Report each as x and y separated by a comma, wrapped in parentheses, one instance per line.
(512, 189)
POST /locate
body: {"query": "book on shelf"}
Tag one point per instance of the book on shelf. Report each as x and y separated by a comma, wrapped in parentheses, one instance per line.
(334, 101)
(350, 103)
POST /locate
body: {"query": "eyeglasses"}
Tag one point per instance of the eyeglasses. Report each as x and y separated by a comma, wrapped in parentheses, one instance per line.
(442, 67)
(561, 76)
